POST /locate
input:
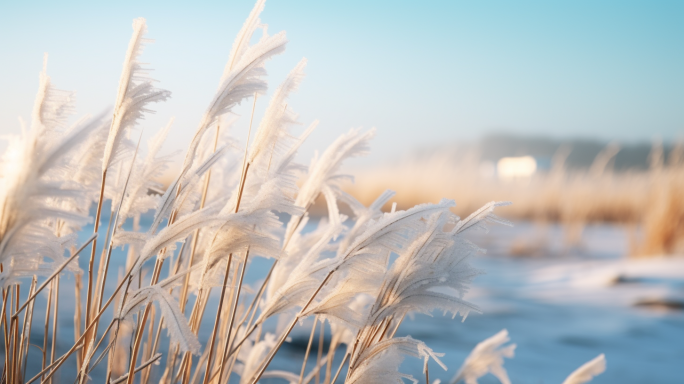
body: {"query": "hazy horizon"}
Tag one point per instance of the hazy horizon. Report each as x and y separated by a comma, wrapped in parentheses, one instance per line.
(422, 74)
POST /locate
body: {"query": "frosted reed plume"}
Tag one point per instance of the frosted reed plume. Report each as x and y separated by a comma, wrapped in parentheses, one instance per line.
(487, 356)
(358, 276)
(586, 372)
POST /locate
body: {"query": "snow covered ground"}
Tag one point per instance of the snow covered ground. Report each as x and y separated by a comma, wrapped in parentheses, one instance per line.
(562, 306)
(565, 307)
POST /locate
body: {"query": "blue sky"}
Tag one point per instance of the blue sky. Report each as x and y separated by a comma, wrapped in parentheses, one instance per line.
(422, 72)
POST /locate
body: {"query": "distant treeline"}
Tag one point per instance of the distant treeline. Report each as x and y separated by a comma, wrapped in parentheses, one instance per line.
(582, 152)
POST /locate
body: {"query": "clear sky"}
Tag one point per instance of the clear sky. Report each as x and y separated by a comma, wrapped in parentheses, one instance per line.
(422, 72)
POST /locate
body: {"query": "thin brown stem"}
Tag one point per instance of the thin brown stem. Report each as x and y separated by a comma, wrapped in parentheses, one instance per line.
(155, 345)
(195, 238)
(103, 254)
(57, 271)
(427, 372)
(47, 325)
(97, 346)
(141, 329)
(397, 327)
(212, 338)
(330, 356)
(136, 347)
(15, 354)
(258, 296)
(321, 338)
(5, 333)
(275, 349)
(232, 315)
(54, 366)
(340, 368)
(26, 332)
(103, 278)
(54, 324)
(308, 349)
(139, 368)
(96, 227)
(147, 350)
(78, 284)
(78, 343)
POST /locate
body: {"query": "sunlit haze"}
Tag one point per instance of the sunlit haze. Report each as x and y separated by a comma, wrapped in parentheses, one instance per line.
(423, 73)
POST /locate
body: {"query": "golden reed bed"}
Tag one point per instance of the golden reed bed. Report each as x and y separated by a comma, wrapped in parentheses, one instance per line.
(652, 199)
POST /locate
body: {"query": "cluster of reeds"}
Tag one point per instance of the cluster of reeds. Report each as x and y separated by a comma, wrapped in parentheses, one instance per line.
(360, 275)
(647, 200)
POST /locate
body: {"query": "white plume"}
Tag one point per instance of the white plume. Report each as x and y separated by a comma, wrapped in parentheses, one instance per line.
(323, 172)
(253, 356)
(143, 177)
(487, 356)
(176, 323)
(136, 90)
(380, 363)
(37, 195)
(586, 372)
(273, 127)
(242, 77)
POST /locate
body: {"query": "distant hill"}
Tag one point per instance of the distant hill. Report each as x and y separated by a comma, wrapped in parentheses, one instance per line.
(582, 152)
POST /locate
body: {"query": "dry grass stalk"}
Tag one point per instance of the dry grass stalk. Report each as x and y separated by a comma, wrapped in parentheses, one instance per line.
(54, 323)
(574, 198)
(325, 273)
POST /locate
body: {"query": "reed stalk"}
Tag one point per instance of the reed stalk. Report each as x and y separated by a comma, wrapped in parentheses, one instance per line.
(232, 316)
(78, 284)
(328, 368)
(141, 329)
(339, 369)
(100, 290)
(212, 338)
(287, 331)
(54, 324)
(77, 344)
(321, 338)
(147, 348)
(26, 330)
(97, 346)
(5, 331)
(427, 372)
(15, 324)
(308, 349)
(54, 274)
(142, 366)
(155, 344)
(91, 261)
(47, 324)
(195, 238)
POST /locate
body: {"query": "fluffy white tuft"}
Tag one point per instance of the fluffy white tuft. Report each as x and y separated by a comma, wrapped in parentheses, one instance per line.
(586, 372)
(487, 357)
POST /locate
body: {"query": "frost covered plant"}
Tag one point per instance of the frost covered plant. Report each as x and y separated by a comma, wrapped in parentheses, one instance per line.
(487, 356)
(586, 372)
(361, 275)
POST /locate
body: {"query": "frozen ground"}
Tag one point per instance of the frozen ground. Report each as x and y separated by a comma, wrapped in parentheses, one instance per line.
(561, 306)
